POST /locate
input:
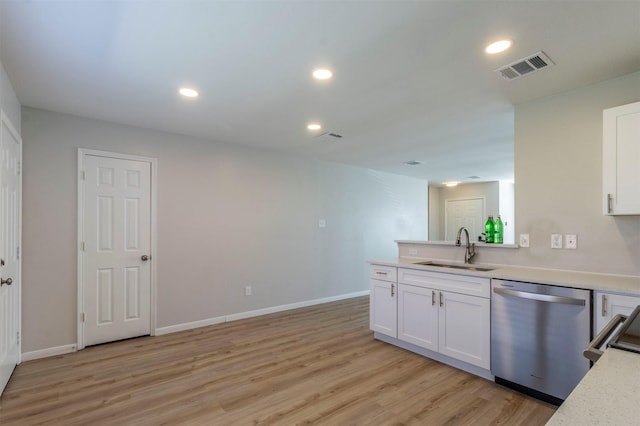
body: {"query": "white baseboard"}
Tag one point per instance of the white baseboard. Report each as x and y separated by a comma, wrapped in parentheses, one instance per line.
(249, 314)
(44, 353)
(61, 350)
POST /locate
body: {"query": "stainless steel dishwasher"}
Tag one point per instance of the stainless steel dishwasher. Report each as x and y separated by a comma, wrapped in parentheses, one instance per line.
(538, 333)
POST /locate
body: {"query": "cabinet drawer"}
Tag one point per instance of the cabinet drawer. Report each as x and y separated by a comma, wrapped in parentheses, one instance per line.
(463, 284)
(383, 273)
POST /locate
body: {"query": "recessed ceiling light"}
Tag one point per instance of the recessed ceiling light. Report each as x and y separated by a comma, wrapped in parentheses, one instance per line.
(322, 74)
(451, 184)
(498, 46)
(189, 93)
(314, 126)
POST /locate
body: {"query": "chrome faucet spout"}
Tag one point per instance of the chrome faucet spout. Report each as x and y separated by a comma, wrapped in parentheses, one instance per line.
(470, 248)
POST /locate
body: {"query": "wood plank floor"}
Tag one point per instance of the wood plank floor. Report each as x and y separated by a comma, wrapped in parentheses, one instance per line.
(316, 365)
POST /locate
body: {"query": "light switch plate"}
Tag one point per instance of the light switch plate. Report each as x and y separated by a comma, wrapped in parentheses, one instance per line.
(524, 240)
(571, 241)
(556, 241)
(322, 223)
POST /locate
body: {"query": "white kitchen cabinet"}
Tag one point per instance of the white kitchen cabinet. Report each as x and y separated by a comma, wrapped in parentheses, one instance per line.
(418, 316)
(609, 305)
(621, 160)
(446, 313)
(465, 328)
(383, 306)
(456, 325)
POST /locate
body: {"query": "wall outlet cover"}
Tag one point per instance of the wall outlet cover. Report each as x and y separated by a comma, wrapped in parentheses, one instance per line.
(322, 223)
(571, 241)
(413, 252)
(247, 290)
(556, 241)
(524, 240)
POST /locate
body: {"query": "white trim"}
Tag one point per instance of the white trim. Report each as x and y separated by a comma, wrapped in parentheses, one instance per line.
(82, 152)
(249, 314)
(18, 279)
(44, 353)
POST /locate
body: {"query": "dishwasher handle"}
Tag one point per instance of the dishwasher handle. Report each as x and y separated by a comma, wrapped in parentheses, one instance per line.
(540, 297)
(592, 352)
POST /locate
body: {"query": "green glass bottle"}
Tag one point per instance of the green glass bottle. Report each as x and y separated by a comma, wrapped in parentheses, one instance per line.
(498, 231)
(489, 230)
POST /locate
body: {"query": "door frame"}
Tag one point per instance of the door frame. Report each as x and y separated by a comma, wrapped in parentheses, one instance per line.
(82, 153)
(4, 120)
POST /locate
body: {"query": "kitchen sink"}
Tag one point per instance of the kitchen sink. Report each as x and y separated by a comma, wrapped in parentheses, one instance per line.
(455, 266)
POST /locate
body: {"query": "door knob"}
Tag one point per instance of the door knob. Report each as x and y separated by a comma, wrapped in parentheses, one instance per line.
(8, 281)
(144, 257)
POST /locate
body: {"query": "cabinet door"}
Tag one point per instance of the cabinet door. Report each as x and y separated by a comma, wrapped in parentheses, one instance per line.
(418, 316)
(464, 328)
(383, 308)
(621, 156)
(610, 305)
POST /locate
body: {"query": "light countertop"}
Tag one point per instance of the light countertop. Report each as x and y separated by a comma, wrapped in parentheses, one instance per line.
(591, 281)
(608, 395)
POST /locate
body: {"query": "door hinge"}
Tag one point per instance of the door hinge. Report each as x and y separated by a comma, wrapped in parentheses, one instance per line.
(82, 175)
(82, 246)
(82, 317)
(18, 337)
(18, 253)
(19, 168)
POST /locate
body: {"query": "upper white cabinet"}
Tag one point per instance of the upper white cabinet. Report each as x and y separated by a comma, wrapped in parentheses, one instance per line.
(621, 160)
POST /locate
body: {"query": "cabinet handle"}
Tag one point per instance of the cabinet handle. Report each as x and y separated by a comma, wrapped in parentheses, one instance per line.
(441, 301)
(380, 273)
(604, 305)
(609, 203)
(392, 289)
(433, 298)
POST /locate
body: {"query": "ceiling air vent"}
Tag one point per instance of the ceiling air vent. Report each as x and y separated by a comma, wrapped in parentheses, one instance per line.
(330, 135)
(525, 66)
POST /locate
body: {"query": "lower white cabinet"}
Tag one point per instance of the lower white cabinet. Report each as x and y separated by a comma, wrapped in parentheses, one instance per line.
(609, 305)
(418, 316)
(383, 307)
(464, 324)
(453, 324)
(441, 315)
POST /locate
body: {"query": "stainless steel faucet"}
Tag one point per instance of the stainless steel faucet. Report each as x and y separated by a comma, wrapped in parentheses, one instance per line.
(470, 250)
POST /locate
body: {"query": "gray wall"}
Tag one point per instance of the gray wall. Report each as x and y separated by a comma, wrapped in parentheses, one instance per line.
(8, 100)
(558, 170)
(228, 217)
(558, 189)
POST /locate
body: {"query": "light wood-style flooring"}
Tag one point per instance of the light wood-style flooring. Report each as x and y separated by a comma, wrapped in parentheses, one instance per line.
(316, 365)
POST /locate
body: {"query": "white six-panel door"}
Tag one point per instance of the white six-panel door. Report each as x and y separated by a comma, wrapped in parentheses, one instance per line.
(465, 212)
(116, 249)
(10, 215)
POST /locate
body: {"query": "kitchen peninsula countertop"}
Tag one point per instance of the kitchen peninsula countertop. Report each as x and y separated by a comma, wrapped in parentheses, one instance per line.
(608, 395)
(627, 284)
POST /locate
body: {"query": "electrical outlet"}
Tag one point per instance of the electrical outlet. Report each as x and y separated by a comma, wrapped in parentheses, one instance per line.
(524, 240)
(247, 290)
(322, 223)
(413, 252)
(556, 241)
(571, 241)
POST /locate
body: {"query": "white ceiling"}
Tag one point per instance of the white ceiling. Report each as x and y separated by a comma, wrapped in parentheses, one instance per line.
(412, 81)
